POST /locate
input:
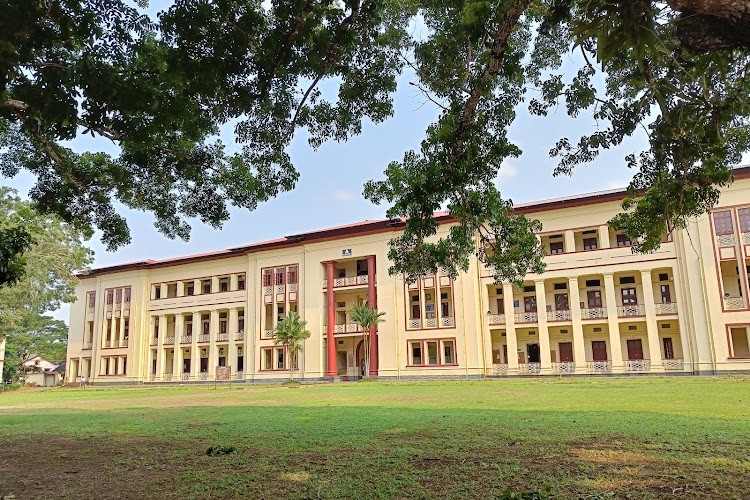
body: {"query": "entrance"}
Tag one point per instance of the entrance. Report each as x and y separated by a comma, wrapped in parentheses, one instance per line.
(341, 362)
(599, 350)
(533, 352)
(635, 349)
(566, 352)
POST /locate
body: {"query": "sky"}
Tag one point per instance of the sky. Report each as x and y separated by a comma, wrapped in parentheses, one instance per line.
(329, 191)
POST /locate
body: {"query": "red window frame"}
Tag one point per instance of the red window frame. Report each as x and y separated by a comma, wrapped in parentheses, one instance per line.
(422, 343)
(267, 277)
(291, 275)
(743, 214)
(723, 223)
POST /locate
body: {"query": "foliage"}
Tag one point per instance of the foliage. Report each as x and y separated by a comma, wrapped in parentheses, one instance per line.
(37, 334)
(368, 318)
(291, 332)
(13, 242)
(159, 89)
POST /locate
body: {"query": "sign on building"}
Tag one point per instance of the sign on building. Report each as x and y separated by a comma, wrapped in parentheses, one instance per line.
(223, 372)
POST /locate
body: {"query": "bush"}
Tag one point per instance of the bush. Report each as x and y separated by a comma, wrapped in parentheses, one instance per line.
(215, 451)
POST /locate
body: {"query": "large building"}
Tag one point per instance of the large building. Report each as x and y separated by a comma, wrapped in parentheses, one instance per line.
(597, 309)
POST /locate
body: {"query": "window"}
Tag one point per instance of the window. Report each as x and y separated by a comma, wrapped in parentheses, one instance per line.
(561, 302)
(118, 296)
(267, 277)
(280, 359)
(590, 283)
(92, 299)
(739, 342)
(223, 322)
(594, 299)
(127, 295)
(560, 286)
(432, 353)
(292, 275)
(623, 240)
(744, 215)
(723, 223)
(449, 352)
(124, 365)
(416, 353)
(241, 320)
(627, 280)
(668, 349)
(223, 284)
(126, 327)
(240, 282)
(189, 328)
(590, 244)
(190, 288)
(529, 304)
(206, 286)
(109, 297)
(666, 296)
(206, 321)
(268, 359)
(362, 267)
(157, 293)
(280, 274)
(555, 247)
(629, 297)
(500, 306)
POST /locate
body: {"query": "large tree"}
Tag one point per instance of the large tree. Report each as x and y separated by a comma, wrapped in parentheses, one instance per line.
(158, 90)
(37, 334)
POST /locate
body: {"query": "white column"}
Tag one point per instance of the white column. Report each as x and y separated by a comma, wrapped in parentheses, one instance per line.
(197, 290)
(214, 284)
(163, 290)
(232, 282)
(570, 241)
(180, 288)
(685, 352)
(615, 346)
(652, 328)
(195, 353)
(510, 329)
(179, 331)
(579, 344)
(161, 353)
(233, 329)
(213, 332)
(544, 345)
(604, 236)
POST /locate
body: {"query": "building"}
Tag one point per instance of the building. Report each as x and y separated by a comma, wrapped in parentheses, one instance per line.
(36, 363)
(597, 309)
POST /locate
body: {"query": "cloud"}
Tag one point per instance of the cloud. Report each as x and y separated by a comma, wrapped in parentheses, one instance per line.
(617, 184)
(344, 196)
(507, 172)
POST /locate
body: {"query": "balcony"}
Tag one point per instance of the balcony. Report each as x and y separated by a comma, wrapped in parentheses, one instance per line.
(347, 328)
(563, 367)
(496, 319)
(637, 365)
(746, 238)
(562, 315)
(500, 369)
(168, 340)
(240, 335)
(87, 345)
(668, 308)
(107, 343)
(446, 321)
(526, 317)
(267, 334)
(124, 342)
(222, 337)
(732, 303)
(726, 240)
(187, 339)
(204, 338)
(414, 324)
(594, 313)
(673, 365)
(529, 368)
(154, 340)
(203, 376)
(167, 377)
(185, 376)
(348, 281)
(598, 366)
(630, 311)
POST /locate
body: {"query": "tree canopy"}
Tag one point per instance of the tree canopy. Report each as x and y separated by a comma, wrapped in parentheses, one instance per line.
(159, 88)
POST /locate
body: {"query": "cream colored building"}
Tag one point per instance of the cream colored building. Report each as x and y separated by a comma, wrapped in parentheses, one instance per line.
(597, 309)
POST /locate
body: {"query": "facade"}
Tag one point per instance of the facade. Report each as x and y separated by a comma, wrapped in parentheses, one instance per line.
(597, 309)
(37, 363)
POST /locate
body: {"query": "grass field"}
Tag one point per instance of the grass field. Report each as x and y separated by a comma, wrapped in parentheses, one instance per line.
(585, 438)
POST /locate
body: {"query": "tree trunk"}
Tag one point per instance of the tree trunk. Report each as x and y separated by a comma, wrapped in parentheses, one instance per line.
(709, 25)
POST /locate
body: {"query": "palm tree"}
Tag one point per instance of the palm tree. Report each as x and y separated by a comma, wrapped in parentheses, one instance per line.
(291, 331)
(368, 318)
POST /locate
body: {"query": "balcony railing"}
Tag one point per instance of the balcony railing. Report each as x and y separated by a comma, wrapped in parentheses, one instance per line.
(167, 377)
(598, 366)
(594, 313)
(563, 367)
(529, 368)
(430, 323)
(734, 303)
(500, 369)
(204, 338)
(203, 376)
(562, 315)
(637, 365)
(496, 319)
(415, 323)
(348, 281)
(108, 342)
(168, 340)
(628, 311)
(726, 240)
(668, 308)
(186, 376)
(240, 335)
(347, 328)
(222, 337)
(239, 375)
(673, 365)
(154, 340)
(124, 342)
(267, 334)
(187, 339)
(446, 321)
(88, 344)
(526, 317)
(746, 238)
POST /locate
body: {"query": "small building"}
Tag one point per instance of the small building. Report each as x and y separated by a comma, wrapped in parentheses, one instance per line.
(37, 363)
(43, 379)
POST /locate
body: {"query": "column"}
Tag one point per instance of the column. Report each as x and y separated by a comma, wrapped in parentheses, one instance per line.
(233, 282)
(214, 284)
(544, 346)
(213, 331)
(372, 299)
(510, 329)
(195, 353)
(603, 236)
(122, 328)
(685, 352)
(163, 290)
(570, 241)
(579, 344)
(179, 332)
(161, 354)
(331, 328)
(615, 346)
(233, 328)
(652, 327)
(197, 290)
(180, 288)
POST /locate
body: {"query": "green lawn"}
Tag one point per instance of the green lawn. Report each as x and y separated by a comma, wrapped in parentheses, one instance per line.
(593, 438)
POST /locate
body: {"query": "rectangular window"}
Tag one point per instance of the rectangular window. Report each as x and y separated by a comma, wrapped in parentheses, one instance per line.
(240, 363)
(206, 326)
(92, 299)
(110, 295)
(594, 299)
(267, 277)
(189, 328)
(157, 293)
(449, 352)
(206, 285)
(666, 295)
(118, 296)
(723, 223)
(292, 275)
(280, 358)
(222, 322)
(500, 306)
(416, 353)
(432, 353)
(561, 302)
(590, 244)
(529, 304)
(739, 340)
(555, 247)
(241, 320)
(280, 275)
(623, 240)
(268, 359)
(126, 328)
(668, 349)
(127, 295)
(629, 297)
(744, 215)
(240, 282)
(204, 365)
(190, 288)
(125, 365)
(224, 284)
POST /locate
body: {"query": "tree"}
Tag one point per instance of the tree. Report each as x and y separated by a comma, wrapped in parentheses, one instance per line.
(159, 90)
(368, 318)
(37, 334)
(291, 331)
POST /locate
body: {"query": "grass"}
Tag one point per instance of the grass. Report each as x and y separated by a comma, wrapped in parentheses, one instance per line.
(594, 438)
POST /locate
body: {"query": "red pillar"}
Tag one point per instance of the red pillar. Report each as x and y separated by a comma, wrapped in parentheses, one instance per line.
(331, 340)
(372, 300)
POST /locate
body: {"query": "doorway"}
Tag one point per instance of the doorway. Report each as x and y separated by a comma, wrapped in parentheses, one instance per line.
(635, 349)
(341, 362)
(532, 350)
(599, 350)
(566, 352)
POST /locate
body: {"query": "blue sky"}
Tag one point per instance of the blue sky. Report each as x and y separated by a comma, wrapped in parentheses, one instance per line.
(329, 191)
